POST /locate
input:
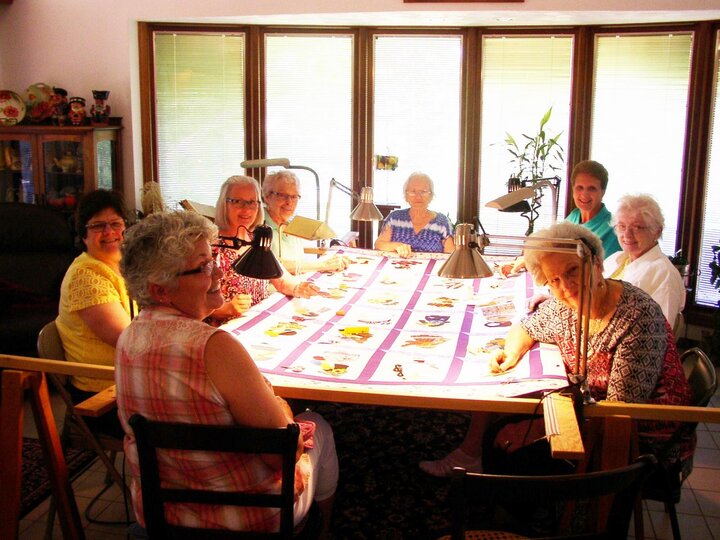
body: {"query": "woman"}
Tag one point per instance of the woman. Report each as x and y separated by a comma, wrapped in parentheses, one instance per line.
(94, 304)
(589, 180)
(639, 224)
(237, 213)
(416, 228)
(281, 193)
(172, 367)
(631, 357)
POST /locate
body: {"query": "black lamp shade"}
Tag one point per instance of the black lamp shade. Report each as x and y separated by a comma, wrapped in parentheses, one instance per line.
(259, 261)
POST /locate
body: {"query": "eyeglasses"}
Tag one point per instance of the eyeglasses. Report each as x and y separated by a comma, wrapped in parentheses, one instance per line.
(621, 228)
(285, 196)
(242, 203)
(205, 268)
(418, 192)
(99, 226)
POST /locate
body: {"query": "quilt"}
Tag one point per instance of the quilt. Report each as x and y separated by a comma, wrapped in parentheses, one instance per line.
(392, 325)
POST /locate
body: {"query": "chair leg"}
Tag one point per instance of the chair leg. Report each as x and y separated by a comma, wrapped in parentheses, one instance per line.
(638, 518)
(672, 512)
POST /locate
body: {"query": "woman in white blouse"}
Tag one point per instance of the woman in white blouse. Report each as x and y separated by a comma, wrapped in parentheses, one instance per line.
(638, 223)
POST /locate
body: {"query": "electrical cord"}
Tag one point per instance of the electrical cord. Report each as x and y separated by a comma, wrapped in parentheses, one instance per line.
(96, 498)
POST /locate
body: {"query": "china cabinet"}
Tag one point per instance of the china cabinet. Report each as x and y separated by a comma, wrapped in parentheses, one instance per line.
(55, 164)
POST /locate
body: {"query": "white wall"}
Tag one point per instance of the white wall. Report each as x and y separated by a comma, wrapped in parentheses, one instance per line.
(82, 45)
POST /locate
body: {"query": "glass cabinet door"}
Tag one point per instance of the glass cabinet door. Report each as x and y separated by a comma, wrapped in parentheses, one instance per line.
(16, 170)
(64, 172)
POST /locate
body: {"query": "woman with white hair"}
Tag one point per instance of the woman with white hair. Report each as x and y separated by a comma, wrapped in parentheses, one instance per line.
(632, 355)
(416, 228)
(281, 193)
(237, 212)
(638, 223)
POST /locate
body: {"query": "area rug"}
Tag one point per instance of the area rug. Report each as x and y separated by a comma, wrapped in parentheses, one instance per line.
(382, 493)
(35, 487)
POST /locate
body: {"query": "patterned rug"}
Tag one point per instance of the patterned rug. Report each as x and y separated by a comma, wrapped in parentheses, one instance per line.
(35, 487)
(382, 493)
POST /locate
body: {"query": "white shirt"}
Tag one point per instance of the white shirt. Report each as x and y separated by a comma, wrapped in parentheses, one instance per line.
(655, 274)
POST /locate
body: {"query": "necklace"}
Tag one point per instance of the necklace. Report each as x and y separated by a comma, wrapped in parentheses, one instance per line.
(598, 323)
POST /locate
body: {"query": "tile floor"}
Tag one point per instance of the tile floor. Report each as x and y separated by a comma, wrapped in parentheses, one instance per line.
(698, 511)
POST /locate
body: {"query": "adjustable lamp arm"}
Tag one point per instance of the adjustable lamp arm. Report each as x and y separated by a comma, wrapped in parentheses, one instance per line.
(285, 163)
(340, 187)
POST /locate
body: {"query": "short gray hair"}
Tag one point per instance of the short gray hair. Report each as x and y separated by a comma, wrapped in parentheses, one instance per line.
(155, 250)
(641, 205)
(221, 206)
(420, 176)
(562, 230)
(273, 179)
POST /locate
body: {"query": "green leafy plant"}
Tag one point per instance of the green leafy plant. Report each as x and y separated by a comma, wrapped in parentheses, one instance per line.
(713, 347)
(540, 156)
(715, 267)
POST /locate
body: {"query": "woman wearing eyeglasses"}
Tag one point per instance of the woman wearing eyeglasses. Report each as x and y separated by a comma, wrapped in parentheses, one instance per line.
(94, 304)
(172, 367)
(237, 212)
(281, 193)
(416, 228)
(638, 223)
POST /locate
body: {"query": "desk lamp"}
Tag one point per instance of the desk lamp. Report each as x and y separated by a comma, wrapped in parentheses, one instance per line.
(517, 200)
(257, 262)
(364, 211)
(285, 163)
(466, 262)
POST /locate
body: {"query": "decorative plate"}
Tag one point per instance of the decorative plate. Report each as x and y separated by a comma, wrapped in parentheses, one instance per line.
(12, 108)
(37, 99)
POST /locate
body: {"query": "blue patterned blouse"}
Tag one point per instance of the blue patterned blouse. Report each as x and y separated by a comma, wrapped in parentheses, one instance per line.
(431, 238)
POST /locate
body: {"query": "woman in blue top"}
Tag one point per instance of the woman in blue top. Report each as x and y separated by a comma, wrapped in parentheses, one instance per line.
(416, 228)
(589, 181)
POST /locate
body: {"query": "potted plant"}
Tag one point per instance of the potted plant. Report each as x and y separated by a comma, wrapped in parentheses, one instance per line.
(681, 263)
(714, 344)
(540, 156)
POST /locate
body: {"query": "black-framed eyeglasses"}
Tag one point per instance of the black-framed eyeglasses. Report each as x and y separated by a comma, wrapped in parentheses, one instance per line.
(285, 196)
(242, 203)
(99, 226)
(205, 268)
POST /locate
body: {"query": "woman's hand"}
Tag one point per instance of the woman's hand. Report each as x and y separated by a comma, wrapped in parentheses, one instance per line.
(305, 289)
(239, 304)
(501, 362)
(335, 263)
(404, 250)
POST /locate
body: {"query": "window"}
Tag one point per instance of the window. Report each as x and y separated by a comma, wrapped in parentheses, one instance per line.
(522, 77)
(309, 116)
(200, 117)
(638, 119)
(706, 294)
(417, 115)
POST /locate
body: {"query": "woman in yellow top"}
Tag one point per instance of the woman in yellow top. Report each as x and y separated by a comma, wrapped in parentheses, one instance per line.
(94, 304)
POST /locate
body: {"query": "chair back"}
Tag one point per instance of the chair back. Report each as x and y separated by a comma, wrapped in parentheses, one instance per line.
(701, 375)
(151, 436)
(49, 344)
(470, 489)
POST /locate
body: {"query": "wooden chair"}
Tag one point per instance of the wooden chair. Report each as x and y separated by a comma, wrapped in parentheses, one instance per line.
(76, 433)
(151, 436)
(470, 489)
(666, 484)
